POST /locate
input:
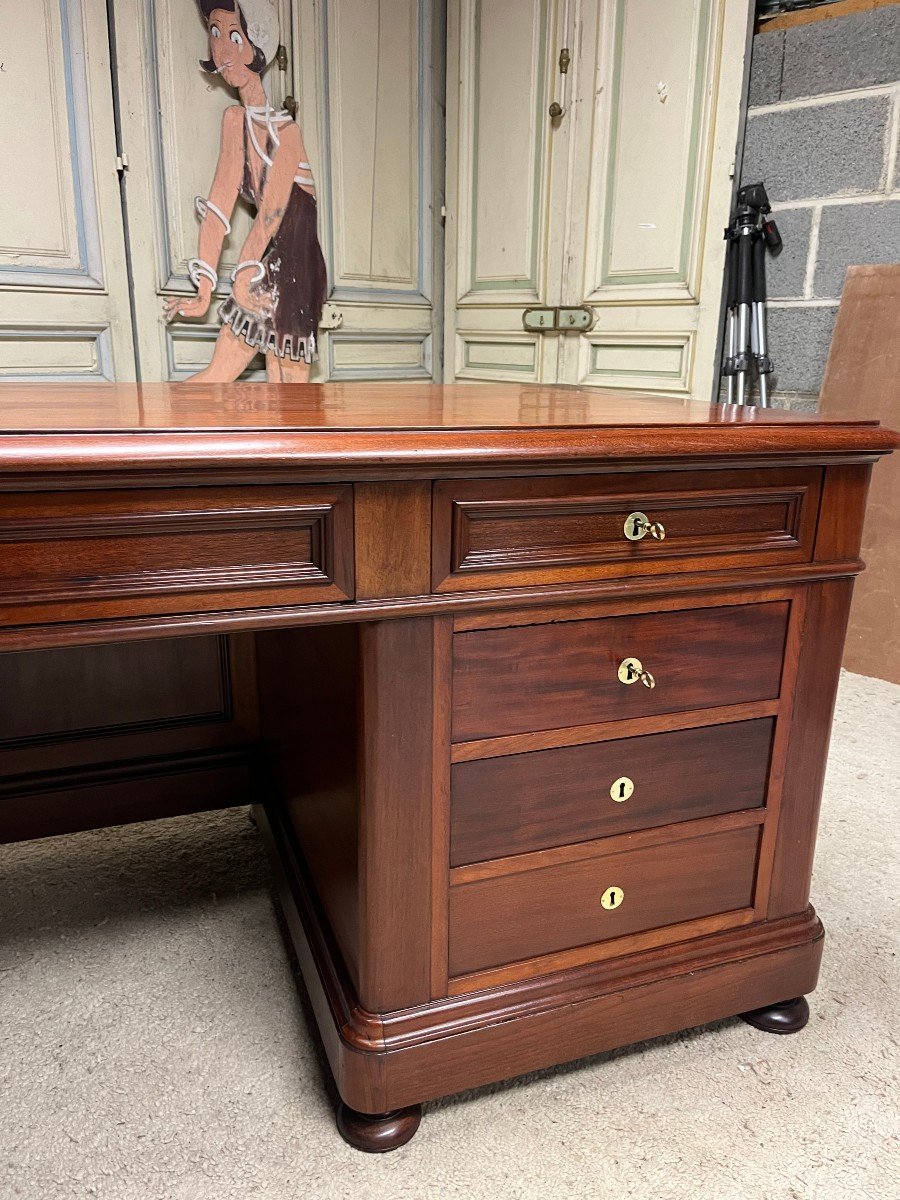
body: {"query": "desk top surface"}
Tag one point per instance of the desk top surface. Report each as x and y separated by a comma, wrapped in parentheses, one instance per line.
(36, 408)
(330, 424)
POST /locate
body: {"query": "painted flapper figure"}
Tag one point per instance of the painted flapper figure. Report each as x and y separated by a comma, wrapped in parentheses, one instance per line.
(279, 283)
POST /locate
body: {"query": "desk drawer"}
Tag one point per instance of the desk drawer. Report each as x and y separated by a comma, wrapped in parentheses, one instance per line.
(527, 678)
(492, 533)
(533, 912)
(78, 555)
(523, 802)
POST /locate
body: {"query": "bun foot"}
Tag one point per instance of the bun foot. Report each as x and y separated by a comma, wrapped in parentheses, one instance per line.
(378, 1133)
(787, 1017)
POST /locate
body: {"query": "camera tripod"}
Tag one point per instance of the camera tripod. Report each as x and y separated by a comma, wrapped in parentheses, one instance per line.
(749, 235)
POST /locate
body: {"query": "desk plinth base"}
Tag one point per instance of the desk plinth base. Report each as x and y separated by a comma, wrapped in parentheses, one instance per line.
(386, 1064)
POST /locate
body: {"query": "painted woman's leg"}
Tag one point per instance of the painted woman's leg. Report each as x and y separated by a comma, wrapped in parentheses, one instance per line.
(285, 370)
(230, 358)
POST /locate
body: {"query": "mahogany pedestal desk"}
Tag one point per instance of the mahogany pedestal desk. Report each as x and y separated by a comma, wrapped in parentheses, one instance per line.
(545, 684)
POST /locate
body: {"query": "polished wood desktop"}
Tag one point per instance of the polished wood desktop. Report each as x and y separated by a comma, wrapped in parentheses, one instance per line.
(531, 689)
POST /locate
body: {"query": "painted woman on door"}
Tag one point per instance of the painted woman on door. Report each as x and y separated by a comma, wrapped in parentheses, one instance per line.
(279, 284)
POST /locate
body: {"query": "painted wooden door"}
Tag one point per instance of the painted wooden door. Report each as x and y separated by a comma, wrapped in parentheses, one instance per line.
(617, 205)
(369, 73)
(64, 311)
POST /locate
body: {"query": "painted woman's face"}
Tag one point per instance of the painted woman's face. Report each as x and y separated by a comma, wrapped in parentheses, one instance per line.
(230, 47)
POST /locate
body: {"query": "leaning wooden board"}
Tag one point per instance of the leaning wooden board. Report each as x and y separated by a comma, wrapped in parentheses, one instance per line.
(863, 376)
(542, 690)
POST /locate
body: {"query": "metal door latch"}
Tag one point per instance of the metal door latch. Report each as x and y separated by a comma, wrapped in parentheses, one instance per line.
(558, 320)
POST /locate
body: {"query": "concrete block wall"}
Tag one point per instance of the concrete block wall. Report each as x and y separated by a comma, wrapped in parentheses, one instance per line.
(823, 130)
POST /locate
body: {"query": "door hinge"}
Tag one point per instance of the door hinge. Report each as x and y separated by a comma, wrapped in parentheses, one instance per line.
(564, 59)
(121, 163)
(281, 57)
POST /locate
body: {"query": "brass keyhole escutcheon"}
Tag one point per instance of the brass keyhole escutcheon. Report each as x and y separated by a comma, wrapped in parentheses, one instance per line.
(612, 897)
(622, 789)
(630, 670)
(638, 525)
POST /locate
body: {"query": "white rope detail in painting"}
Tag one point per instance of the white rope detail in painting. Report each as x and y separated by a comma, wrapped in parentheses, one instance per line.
(259, 273)
(204, 206)
(264, 114)
(197, 269)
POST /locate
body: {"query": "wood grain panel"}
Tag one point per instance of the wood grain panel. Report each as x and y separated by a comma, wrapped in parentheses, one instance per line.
(861, 376)
(392, 536)
(525, 802)
(537, 912)
(76, 691)
(116, 793)
(396, 818)
(494, 532)
(173, 550)
(815, 690)
(310, 740)
(102, 735)
(550, 676)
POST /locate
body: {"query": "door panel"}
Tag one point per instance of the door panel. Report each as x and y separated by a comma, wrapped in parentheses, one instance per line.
(504, 156)
(654, 165)
(499, 148)
(631, 186)
(369, 74)
(640, 224)
(63, 285)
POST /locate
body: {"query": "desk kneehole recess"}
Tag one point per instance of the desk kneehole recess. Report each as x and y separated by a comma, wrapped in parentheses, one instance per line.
(498, 846)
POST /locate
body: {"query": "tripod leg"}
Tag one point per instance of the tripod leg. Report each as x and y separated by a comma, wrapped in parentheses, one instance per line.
(745, 300)
(742, 357)
(732, 345)
(731, 267)
(761, 348)
(763, 360)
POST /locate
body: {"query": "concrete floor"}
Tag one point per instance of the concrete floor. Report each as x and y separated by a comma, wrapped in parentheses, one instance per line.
(152, 1044)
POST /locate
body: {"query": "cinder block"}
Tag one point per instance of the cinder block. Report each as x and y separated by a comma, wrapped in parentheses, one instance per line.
(851, 234)
(832, 149)
(786, 272)
(765, 68)
(793, 403)
(799, 339)
(861, 50)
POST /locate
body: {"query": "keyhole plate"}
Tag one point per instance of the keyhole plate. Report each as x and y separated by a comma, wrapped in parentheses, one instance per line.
(630, 670)
(636, 527)
(622, 789)
(612, 897)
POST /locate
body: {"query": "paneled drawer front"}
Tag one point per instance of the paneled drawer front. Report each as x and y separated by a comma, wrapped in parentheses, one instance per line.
(534, 912)
(524, 802)
(526, 678)
(508, 533)
(101, 554)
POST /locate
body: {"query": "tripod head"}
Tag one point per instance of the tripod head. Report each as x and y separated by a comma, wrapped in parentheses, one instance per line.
(754, 199)
(752, 211)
